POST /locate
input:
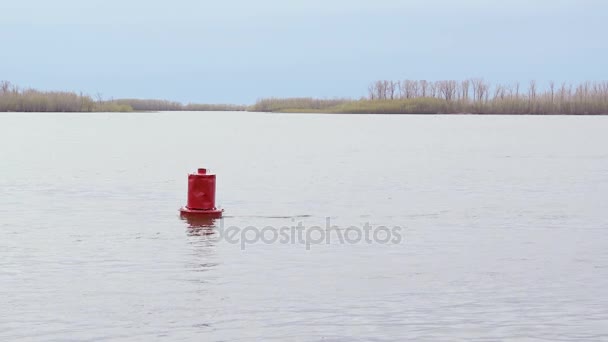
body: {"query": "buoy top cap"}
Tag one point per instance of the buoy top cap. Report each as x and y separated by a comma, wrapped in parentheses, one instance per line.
(202, 171)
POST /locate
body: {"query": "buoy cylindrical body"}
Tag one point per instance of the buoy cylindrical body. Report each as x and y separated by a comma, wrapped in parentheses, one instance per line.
(201, 195)
(201, 191)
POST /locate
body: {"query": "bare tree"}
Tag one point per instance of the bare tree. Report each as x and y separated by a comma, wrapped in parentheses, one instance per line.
(371, 91)
(432, 89)
(5, 86)
(480, 89)
(532, 97)
(392, 88)
(424, 86)
(464, 87)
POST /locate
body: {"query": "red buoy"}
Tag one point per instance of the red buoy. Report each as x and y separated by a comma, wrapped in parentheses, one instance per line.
(201, 196)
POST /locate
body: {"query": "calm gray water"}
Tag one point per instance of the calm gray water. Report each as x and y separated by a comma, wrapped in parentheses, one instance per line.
(504, 228)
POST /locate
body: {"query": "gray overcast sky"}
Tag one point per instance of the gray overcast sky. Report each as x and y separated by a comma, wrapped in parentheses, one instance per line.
(239, 50)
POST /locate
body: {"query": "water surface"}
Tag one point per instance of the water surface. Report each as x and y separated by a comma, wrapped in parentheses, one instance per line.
(504, 227)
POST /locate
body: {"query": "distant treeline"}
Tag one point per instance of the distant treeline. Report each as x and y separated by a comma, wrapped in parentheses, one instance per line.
(164, 105)
(298, 104)
(474, 96)
(16, 99)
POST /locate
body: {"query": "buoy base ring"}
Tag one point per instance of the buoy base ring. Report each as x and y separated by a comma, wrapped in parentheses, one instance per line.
(212, 213)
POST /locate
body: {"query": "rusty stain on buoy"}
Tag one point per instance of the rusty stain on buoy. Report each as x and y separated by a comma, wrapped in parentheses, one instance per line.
(201, 196)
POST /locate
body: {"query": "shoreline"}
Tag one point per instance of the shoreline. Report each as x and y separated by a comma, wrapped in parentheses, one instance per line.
(467, 97)
(302, 113)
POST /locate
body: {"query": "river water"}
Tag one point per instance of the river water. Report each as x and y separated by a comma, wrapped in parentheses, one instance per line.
(498, 223)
